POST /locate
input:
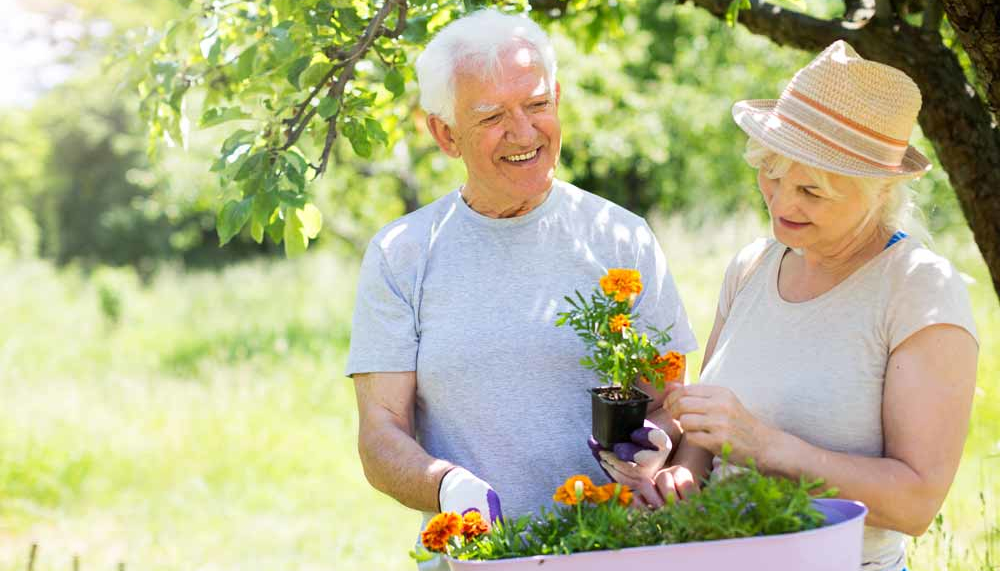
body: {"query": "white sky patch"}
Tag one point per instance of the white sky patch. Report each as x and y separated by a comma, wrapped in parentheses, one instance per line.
(34, 48)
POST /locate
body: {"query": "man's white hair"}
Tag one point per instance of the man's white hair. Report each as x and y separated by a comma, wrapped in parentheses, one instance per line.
(475, 43)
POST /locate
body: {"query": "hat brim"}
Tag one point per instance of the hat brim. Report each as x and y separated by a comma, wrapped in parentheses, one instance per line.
(757, 119)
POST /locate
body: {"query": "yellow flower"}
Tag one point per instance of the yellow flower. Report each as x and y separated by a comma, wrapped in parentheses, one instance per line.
(621, 283)
(440, 529)
(619, 322)
(473, 525)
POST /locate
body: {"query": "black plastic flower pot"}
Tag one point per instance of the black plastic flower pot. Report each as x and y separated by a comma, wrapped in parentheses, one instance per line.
(615, 416)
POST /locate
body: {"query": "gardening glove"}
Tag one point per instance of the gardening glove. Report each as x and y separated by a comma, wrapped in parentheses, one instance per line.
(635, 463)
(641, 458)
(462, 492)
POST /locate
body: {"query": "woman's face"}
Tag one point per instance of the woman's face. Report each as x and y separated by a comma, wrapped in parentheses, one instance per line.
(804, 215)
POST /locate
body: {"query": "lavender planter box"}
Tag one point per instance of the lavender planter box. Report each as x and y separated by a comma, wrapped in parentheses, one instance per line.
(834, 547)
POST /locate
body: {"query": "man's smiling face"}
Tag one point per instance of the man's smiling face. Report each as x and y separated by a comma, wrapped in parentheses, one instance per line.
(507, 128)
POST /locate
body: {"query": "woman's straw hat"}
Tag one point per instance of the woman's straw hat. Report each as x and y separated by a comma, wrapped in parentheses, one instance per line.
(843, 114)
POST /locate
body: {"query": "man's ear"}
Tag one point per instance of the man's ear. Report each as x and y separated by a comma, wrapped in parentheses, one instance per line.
(443, 136)
(558, 93)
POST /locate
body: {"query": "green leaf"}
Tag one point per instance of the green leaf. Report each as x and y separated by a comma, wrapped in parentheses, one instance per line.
(315, 73)
(256, 231)
(358, 136)
(265, 206)
(296, 239)
(328, 106)
(375, 131)
(311, 219)
(733, 11)
(251, 166)
(276, 230)
(295, 160)
(295, 69)
(232, 218)
(217, 115)
(245, 63)
(394, 82)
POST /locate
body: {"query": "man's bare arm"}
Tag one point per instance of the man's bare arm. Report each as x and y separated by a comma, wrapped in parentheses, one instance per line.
(393, 461)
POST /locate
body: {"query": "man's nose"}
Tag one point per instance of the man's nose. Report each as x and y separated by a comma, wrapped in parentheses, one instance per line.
(520, 130)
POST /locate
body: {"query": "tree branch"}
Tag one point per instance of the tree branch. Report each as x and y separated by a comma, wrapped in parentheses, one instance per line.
(348, 60)
(977, 23)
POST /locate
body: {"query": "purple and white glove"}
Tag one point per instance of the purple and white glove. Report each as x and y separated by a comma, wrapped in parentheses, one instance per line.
(462, 492)
(635, 463)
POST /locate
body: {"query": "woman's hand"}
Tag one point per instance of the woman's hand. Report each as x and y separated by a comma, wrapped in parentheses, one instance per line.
(712, 416)
(676, 482)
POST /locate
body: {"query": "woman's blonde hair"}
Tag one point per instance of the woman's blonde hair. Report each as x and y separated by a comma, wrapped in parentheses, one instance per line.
(899, 211)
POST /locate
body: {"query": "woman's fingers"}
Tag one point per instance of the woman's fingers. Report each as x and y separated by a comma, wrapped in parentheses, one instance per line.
(692, 422)
(642, 488)
(685, 484)
(665, 485)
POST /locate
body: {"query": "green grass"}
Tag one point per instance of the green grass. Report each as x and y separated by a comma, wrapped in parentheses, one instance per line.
(201, 421)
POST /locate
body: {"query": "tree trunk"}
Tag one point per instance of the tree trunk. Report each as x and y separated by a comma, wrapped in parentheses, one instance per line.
(953, 117)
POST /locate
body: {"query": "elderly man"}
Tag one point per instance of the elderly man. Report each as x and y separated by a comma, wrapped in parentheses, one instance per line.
(468, 395)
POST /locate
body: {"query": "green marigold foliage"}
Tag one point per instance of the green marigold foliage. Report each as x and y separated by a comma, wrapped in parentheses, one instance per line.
(748, 504)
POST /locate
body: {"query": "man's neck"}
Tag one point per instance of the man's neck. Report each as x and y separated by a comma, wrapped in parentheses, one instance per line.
(500, 207)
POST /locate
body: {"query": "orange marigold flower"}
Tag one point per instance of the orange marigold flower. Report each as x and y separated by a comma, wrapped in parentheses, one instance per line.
(619, 322)
(473, 525)
(621, 283)
(440, 529)
(625, 496)
(566, 493)
(669, 366)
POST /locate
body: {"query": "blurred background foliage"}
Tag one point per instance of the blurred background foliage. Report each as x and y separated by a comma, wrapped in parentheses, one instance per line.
(645, 116)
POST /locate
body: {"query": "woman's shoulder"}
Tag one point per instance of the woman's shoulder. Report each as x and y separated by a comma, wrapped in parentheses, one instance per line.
(752, 254)
(914, 266)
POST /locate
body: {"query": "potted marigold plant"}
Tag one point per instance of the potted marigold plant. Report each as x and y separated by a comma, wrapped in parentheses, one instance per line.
(620, 354)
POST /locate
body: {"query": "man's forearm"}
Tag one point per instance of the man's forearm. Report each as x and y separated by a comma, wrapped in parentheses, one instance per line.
(397, 465)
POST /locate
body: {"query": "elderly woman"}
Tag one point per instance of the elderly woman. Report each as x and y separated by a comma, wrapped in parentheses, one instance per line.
(842, 349)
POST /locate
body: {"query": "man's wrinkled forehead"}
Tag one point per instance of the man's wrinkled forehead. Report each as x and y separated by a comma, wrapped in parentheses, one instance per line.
(524, 56)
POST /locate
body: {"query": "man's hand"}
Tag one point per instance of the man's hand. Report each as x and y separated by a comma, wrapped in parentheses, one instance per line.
(635, 463)
(461, 492)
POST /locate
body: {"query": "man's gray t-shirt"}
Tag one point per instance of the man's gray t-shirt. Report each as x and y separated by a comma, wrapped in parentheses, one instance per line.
(470, 304)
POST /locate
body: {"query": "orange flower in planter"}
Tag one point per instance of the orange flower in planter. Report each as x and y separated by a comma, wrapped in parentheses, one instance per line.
(473, 525)
(669, 365)
(575, 490)
(621, 283)
(618, 322)
(440, 529)
(624, 495)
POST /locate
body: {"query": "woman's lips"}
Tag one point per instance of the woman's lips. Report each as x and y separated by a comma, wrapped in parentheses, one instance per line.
(792, 225)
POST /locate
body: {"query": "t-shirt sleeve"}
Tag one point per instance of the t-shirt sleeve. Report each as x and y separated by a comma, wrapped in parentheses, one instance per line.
(927, 290)
(739, 270)
(660, 303)
(384, 332)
